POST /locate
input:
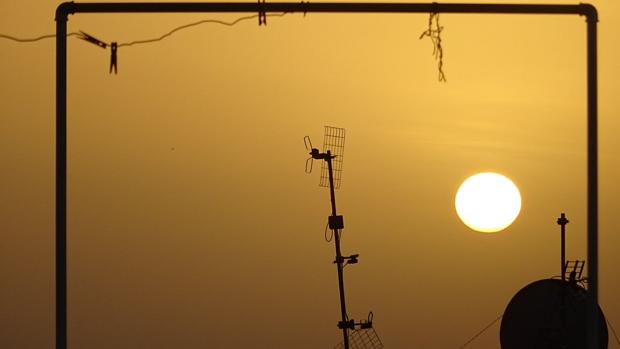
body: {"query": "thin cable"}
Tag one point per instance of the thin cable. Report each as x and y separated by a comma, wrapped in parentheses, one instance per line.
(479, 333)
(185, 26)
(613, 331)
(147, 41)
(325, 233)
(38, 38)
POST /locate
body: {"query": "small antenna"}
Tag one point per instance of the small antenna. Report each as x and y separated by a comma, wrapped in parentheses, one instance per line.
(333, 147)
(363, 337)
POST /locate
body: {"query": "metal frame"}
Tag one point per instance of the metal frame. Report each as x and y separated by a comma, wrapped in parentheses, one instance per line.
(67, 8)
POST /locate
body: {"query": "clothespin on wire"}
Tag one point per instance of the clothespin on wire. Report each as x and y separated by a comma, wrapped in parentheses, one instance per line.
(113, 61)
(92, 40)
(113, 47)
(262, 16)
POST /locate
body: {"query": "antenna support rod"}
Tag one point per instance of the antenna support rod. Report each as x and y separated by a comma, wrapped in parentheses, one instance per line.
(339, 259)
(562, 221)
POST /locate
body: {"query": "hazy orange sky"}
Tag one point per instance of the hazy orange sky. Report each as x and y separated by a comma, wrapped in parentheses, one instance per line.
(191, 222)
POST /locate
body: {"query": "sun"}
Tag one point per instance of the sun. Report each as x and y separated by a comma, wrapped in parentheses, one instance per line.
(488, 202)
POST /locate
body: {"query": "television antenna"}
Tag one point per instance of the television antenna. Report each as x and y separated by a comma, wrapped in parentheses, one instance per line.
(362, 333)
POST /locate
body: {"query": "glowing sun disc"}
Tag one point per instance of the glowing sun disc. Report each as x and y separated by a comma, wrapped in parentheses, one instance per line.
(488, 202)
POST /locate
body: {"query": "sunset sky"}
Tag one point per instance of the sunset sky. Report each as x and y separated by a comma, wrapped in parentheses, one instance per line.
(191, 222)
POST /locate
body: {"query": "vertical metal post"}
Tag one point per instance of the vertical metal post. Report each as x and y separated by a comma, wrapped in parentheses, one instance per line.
(592, 316)
(61, 179)
(562, 221)
(339, 260)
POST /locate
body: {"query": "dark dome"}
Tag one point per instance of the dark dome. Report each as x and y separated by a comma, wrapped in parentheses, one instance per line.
(534, 317)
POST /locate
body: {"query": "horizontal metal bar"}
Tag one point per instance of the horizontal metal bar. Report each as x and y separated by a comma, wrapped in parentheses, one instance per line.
(305, 7)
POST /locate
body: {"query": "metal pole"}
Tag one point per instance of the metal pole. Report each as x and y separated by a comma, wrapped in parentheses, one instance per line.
(339, 260)
(562, 221)
(592, 317)
(61, 179)
(352, 7)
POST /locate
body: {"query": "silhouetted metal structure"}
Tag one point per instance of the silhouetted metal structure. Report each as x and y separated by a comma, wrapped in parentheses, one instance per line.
(331, 174)
(65, 9)
(362, 339)
(562, 221)
(333, 141)
(551, 313)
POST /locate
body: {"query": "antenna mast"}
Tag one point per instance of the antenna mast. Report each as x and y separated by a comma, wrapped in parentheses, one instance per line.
(331, 174)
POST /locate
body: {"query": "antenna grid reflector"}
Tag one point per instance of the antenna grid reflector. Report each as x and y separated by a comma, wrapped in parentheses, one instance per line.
(362, 339)
(334, 142)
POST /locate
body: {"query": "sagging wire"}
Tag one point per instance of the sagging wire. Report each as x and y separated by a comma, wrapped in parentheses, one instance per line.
(262, 16)
(481, 332)
(38, 38)
(114, 46)
(613, 331)
(213, 21)
(434, 33)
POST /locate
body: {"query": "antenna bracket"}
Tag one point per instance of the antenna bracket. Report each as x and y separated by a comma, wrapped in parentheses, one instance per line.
(350, 324)
(352, 259)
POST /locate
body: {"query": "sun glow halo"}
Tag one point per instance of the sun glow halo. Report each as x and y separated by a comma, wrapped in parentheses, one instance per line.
(488, 202)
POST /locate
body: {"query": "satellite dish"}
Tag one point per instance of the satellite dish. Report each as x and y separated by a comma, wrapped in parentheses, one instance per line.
(548, 314)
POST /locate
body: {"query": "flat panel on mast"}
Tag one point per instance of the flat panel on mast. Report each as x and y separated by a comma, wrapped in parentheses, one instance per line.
(365, 338)
(334, 143)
